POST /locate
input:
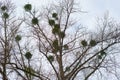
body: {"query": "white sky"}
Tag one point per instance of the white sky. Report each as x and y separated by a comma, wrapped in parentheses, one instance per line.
(95, 8)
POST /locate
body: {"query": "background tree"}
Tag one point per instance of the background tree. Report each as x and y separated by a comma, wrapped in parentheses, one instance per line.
(9, 26)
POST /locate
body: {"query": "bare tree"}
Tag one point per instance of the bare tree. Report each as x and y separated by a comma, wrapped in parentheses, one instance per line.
(8, 29)
(70, 55)
(55, 46)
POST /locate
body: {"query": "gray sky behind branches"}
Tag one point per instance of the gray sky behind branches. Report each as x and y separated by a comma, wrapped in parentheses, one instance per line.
(94, 8)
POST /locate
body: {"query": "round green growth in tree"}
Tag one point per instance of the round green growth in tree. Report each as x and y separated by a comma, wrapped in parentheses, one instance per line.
(29, 70)
(5, 15)
(99, 57)
(67, 69)
(66, 47)
(55, 43)
(84, 43)
(28, 7)
(51, 58)
(57, 25)
(62, 34)
(54, 15)
(3, 8)
(18, 38)
(102, 53)
(28, 55)
(51, 22)
(55, 30)
(93, 43)
(34, 21)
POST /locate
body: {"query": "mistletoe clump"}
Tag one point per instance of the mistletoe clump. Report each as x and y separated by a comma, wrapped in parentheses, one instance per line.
(66, 47)
(51, 58)
(5, 15)
(101, 54)
(28, 55)
(54, 15)
(51, 22)
(55, 46)
(34, 21)
(67, 69)
(62, 34)
(18, 38)
(56, 29)
(28, 7)
(57, 25)
(29, 70)
(93, 43)
(3, 8)
(84, 43)
(99, 57)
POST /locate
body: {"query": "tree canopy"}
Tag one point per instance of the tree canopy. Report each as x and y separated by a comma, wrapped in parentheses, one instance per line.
(52, 45)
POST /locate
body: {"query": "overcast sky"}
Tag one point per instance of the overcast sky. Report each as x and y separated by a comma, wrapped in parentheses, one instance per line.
(95, 8)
